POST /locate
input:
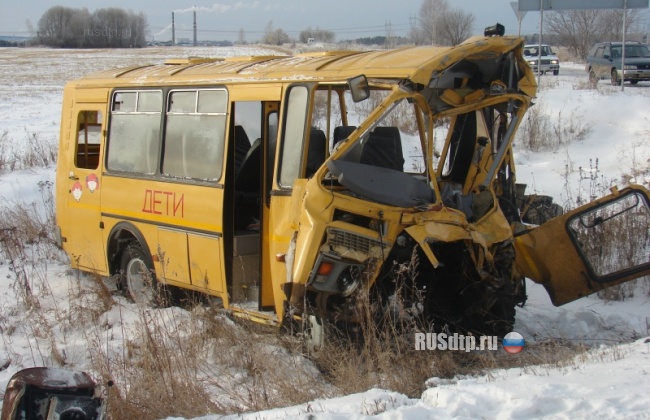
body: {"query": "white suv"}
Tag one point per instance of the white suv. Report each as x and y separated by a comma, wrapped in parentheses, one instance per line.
(550, 62)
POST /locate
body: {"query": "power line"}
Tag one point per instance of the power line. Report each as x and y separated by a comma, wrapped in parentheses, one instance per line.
(348, 30)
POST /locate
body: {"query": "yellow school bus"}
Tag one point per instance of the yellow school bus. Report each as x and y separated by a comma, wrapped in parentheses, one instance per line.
(301, 188)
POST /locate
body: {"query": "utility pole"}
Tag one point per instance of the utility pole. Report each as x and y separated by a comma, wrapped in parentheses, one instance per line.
(623, 46)
(414, 34)
(539, 49)
(194, 28)
(389, 43)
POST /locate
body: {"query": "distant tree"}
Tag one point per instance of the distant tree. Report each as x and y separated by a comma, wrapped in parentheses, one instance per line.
(416, 34)
(430, 19)
(375, 40)
(578, 30)
(612, 23)
(274, 36)
(53, 26)
(439, 24)
(456, 26)
(318, 34)
(77, 28)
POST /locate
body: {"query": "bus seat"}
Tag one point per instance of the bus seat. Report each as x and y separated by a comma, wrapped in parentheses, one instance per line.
(242, 146)
(342, 132)
(316, 151)
(248, 177)
(383, 148)
(247, 187)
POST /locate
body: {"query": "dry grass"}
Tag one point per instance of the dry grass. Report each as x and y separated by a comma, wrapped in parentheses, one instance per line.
(197, 361)
(34, 151)
(540, 131)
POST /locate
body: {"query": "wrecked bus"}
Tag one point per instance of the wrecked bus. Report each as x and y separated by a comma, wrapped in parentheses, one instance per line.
(303, 187)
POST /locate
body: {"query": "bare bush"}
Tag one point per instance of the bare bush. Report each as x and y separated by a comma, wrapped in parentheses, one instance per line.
(5, 146)
(540, 132)
(38, 152)
(35, 151)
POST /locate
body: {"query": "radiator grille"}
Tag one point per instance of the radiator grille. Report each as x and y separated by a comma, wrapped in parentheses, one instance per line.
(353, 241)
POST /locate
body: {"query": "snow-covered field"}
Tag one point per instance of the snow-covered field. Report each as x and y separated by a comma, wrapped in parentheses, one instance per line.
(610, 381)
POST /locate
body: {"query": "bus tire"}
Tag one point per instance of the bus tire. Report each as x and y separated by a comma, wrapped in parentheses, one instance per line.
(138, 278)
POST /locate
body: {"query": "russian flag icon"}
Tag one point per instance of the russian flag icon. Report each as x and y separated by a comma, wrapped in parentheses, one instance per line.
(513, 343)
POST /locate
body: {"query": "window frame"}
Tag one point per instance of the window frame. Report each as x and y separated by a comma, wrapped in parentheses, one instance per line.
(285, 114)
(112, 112)
(165, 121)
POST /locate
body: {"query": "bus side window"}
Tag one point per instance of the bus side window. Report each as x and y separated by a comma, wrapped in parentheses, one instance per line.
(134, 133)
(294, 134)
(89, 132)
(195, 134)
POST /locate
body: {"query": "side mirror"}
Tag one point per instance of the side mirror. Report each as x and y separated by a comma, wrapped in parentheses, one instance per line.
(359, 88)
(607, 57)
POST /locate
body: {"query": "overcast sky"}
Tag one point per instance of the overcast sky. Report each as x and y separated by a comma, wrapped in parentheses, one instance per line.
(349, 19)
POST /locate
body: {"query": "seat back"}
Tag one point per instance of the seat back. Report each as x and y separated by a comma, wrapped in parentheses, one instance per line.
(242, 146)
(342, 132)
(316, 151)
(383, 148)
(248, 177)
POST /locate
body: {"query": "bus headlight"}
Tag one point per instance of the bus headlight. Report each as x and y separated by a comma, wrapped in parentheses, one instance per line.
(348, 280)
(333, 274)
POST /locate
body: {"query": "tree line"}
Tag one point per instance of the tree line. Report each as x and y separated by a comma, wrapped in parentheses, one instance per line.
(579, 30)
(65, 27)
(437, 23)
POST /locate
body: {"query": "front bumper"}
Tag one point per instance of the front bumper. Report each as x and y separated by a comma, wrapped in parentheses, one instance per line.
(546, 67)
(640, 75)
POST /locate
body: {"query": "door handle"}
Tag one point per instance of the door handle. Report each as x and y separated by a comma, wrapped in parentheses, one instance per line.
(73, 177)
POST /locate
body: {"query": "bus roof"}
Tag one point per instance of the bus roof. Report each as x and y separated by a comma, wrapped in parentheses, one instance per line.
(414, 63)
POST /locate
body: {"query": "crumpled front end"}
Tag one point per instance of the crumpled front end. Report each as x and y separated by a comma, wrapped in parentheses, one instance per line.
(410, 218)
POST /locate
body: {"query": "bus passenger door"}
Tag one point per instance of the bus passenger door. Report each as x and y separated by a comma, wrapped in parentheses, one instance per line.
(271, 110)
(244, 218)
(83, 214)
(287, 184)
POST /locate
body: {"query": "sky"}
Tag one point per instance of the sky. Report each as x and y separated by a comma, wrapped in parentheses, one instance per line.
(224, 19)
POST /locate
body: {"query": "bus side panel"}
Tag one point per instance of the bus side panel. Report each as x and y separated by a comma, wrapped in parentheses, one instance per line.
(181, 223)
(205, 265)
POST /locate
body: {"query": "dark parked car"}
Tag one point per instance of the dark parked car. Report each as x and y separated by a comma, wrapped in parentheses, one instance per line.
(605, 61)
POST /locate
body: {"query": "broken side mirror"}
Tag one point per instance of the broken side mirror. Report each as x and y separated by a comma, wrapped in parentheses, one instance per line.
(359, 88)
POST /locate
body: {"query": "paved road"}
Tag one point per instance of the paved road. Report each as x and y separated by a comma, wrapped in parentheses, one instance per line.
(578, 72)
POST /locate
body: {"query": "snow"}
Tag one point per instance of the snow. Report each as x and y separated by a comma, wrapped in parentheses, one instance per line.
(609, 381)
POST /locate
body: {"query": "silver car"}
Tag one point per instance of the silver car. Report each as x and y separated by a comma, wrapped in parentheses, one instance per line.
(549, 60)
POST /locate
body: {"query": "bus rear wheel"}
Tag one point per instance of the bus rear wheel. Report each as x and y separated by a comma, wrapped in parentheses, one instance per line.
(138, 278)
